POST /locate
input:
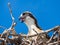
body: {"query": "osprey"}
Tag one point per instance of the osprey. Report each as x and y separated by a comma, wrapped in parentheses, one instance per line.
(31, 22)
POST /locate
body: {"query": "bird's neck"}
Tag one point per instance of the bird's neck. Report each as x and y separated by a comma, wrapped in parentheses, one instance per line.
(31, 28)
(29, 25)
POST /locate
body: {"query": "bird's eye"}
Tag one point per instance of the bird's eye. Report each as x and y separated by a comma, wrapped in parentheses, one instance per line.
(23, 13)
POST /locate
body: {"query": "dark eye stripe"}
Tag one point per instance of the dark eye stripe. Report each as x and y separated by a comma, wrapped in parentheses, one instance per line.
(23, 13)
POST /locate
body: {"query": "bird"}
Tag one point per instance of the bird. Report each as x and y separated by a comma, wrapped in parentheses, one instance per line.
(31, 22)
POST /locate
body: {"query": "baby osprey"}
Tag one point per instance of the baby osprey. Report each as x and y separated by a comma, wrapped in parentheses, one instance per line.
(31, 23)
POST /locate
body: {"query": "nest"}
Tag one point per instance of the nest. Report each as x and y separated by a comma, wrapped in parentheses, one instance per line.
(21, 39)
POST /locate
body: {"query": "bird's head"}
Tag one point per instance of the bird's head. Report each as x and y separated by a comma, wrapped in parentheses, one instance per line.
(27, 17)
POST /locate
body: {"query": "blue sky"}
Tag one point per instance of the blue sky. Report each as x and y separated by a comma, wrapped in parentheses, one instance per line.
(47, 13)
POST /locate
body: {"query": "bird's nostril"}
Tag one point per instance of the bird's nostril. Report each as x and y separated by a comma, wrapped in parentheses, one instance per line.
(21, 19)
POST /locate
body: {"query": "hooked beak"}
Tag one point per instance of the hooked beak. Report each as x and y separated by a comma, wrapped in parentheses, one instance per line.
(21, 18)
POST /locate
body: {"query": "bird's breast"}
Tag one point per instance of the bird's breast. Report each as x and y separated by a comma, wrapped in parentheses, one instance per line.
(31, 32)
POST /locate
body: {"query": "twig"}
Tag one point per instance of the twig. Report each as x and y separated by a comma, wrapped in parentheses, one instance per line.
(51, 37)
(13, 19)
(54, 43)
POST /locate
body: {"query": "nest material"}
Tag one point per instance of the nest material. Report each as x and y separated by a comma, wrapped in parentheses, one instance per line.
(20, 39)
